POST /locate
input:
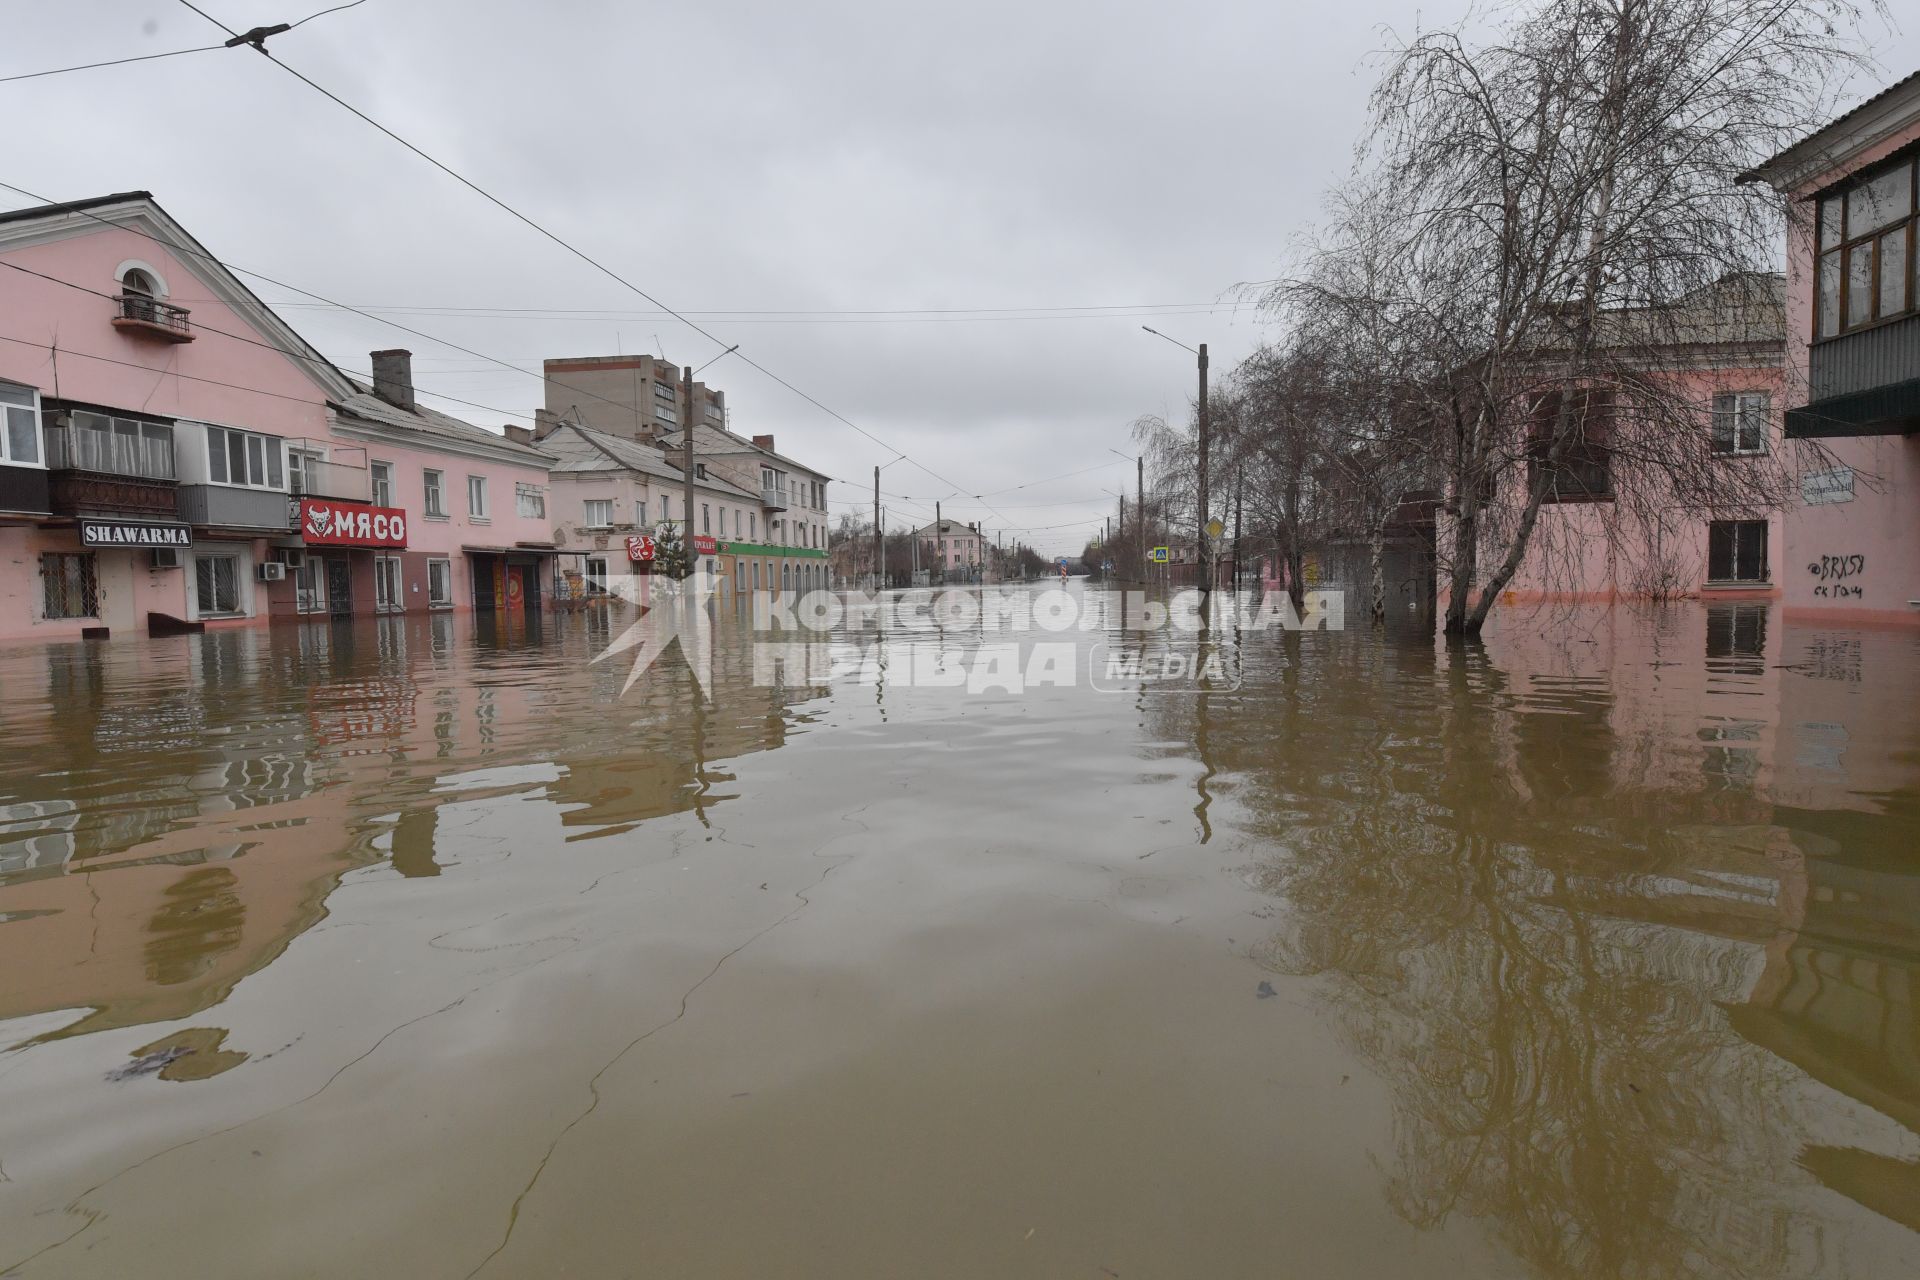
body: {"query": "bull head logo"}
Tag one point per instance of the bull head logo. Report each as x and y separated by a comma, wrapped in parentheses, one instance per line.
(319, 521)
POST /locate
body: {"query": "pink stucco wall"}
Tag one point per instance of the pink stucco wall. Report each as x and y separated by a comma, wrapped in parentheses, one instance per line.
(1881, 526)
(1598, 552)
(58, 338)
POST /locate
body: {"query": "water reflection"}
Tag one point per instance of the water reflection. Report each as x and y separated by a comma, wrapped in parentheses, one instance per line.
(1555, 898)
(174, 813)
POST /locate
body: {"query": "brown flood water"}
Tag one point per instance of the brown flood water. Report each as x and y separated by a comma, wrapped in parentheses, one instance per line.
(414, 949)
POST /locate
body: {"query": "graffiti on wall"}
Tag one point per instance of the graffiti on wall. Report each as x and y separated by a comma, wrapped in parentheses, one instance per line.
(1832, 573)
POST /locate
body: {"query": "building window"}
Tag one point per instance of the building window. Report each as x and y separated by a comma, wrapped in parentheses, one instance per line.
(216, 584)
(309, 585)
(115, 446)
(599, 512)
(1737, 551)
(530, 500)
(663, 391)
(477, 497)
(20, 442)
(596, 575)
(244, 458)
(1865, 270)
(640, 512)
(706, 518)
(303, 472)
(436, 503)
(753, 524)
(440, 583)
(1584, 472)
(72, 585)
(715, 413)
(389, 593)
(1740, 421)
(382, 476)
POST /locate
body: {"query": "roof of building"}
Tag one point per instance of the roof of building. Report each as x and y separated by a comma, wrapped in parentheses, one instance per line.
(73, 206)
(945, 527)
(1773, 168)
(1741, 308)
(368, 407)
(605, 452)
(711, 439)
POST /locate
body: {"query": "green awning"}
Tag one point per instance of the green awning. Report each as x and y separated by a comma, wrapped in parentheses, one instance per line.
(1880, 411)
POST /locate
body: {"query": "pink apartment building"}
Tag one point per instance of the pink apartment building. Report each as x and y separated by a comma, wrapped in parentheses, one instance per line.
(175, 455)
(1610, 530)
(956, 550)
(1853, 360)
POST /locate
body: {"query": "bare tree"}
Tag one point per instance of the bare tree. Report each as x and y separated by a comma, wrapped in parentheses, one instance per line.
(1547, 225)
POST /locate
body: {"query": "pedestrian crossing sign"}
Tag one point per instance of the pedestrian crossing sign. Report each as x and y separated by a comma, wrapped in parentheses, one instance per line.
(1158, 555)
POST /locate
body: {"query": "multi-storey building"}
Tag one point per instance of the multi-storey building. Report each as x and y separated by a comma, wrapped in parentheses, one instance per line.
(643, 401)
(176, 455)
(952, 550)
(1853, 360)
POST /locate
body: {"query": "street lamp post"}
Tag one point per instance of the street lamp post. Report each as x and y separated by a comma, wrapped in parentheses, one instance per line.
(1203, 552)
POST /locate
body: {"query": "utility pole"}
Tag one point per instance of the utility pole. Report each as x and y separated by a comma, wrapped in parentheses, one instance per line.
(1123, 525)
(1140, 516)
(1239, 509)
(879, 554)
(686, 435)
(1205, 565)
(939, 546)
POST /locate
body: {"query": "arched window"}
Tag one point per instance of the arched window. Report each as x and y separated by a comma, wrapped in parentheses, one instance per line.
(139, 284)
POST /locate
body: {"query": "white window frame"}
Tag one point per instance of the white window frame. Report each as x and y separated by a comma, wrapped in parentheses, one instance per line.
(9, 405)
(376, 481)
(272, 449)
(596, 582)
(477, 511)
(242, 583)
(433, 493)
(445, 566)
(310, 585)
(1746, 407)
(592, 507)
(640, 512)
(389, 585)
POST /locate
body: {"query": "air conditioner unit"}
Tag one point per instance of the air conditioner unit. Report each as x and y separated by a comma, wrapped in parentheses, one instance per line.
(292, 557)
(166, 557)
(272, 571)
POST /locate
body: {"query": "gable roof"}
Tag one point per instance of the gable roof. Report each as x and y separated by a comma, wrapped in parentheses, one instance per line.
(605, 452)
(714, 440)
(362, 406)
(956, 527)
(1833, 144)
(139, 213)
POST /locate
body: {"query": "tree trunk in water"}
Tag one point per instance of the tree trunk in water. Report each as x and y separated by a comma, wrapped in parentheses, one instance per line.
(1377, 575)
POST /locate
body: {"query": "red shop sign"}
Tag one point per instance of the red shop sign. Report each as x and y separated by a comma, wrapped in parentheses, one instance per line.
(703, 544)
(639, 547)
(326, 523)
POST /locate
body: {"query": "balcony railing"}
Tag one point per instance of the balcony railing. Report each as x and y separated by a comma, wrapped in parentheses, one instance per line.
(312, 476)
(139, 313)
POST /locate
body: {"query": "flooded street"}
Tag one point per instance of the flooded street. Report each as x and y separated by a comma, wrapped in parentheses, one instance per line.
(413, 947)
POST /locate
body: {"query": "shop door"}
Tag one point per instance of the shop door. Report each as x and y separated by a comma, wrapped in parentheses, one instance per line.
(340, 588)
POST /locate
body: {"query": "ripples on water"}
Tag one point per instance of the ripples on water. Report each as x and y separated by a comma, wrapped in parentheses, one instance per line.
(1623, 907)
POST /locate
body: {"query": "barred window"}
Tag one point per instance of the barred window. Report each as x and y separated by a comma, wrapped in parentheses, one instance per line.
(72, 585)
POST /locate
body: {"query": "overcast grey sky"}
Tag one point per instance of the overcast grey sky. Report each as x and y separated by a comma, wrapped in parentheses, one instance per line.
(833, 156)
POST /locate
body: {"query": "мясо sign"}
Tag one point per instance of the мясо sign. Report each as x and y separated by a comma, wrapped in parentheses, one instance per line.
(327, 523)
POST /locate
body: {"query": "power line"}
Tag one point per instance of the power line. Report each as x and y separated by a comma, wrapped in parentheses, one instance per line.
(293, 288)
(581, 254)
(115, 62)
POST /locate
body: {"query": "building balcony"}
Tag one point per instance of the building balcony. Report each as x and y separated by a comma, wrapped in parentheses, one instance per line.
(223, 506)
(339, 481)
(147, 317)
(773, 498)
(1865, 383)
(94, 472)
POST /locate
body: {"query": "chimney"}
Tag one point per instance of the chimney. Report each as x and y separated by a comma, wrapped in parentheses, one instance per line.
(393, 377)
(763, 442)
(519, 435)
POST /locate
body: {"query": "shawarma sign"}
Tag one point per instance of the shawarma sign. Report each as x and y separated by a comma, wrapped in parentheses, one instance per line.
(323, 522)
(134, 533)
